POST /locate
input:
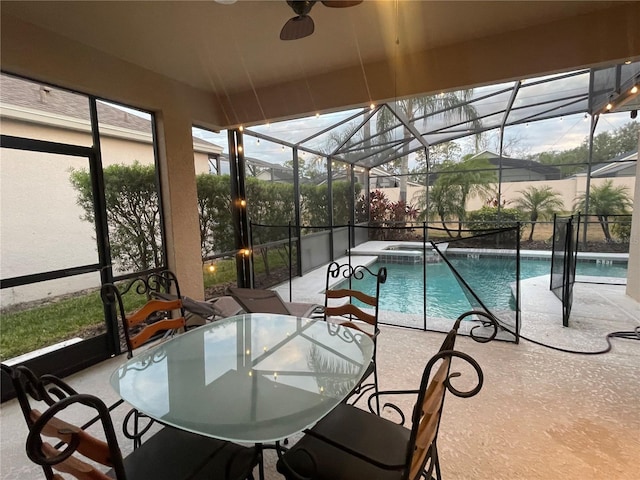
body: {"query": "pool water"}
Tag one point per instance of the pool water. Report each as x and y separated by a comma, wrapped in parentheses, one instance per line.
(489, 277)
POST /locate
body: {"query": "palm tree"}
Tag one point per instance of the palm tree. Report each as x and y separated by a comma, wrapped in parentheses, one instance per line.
(445, 106)
(605, 200)
(441, 203)
(539, 203)
(457, 182)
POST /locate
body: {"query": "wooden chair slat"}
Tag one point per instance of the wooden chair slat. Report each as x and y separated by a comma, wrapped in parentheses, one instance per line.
(436, 390)
(74, 466)
(350, 309)
(150, 330)
(363, 297)
(152, 306)
(89, 446)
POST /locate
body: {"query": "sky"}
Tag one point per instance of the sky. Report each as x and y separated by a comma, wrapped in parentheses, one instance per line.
(544, 136)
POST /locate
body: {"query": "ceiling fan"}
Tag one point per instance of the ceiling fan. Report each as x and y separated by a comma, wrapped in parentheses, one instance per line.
(302, 25)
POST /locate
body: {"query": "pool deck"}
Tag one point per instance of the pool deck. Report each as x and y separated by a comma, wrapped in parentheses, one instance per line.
(378, 247)
(541, 414)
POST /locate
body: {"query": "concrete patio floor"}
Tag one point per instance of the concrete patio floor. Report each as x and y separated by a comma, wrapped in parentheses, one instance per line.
(542, 414)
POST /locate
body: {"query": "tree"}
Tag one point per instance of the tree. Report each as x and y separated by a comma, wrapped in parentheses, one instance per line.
(269, 203)
(539, 203)
(445, 106)
(314, 168)
(438, 154)
(456, 183)
(604, 201)
(441, 203)
(214, 210)
(606, 145)
(133, 213)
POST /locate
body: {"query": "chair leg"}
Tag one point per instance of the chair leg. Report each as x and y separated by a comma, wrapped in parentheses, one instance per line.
(436, 461)
(136, 428)
(375, 387)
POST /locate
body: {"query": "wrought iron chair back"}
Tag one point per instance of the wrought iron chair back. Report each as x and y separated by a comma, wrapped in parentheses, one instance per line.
(155, 316)
(152, 321)
(170, 454)
(350, 444)
(339, 307)
(58, 396)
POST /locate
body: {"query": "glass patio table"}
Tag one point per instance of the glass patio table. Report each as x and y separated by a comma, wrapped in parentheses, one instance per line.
(251, 378)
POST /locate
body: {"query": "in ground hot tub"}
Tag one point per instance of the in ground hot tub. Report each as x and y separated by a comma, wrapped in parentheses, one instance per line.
(410, 253)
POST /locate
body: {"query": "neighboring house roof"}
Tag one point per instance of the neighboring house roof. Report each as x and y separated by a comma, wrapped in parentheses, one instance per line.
(548, 171)
(622, 165)
(39, 103)
(276, 172)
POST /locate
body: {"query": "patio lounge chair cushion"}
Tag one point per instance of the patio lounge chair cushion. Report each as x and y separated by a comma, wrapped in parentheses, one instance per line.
(198, 312)
(255, 300)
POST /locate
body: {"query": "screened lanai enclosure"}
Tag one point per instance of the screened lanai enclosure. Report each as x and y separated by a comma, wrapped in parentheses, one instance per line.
(456, 169)
(454, 193)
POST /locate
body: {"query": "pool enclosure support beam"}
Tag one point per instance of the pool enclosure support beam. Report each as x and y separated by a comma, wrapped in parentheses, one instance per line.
(352, 207)
(101, 221)
(587, 190)
(330, 205)
(426, 193)
(507, 112)
(239, 210)
(296, 208)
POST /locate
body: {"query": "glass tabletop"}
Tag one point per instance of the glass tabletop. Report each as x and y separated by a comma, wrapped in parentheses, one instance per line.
(250, 378)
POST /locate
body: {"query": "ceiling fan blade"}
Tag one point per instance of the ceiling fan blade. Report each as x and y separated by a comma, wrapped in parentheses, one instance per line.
(297, 27)
(340, 4)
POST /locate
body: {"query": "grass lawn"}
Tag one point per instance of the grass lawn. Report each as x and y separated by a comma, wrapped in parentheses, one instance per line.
(23, 331)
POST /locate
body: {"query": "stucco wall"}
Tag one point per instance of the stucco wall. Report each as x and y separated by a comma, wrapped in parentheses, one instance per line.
(633, 274)
(40, 222)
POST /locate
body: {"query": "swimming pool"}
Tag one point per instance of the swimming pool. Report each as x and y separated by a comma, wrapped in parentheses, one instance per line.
(489, 277)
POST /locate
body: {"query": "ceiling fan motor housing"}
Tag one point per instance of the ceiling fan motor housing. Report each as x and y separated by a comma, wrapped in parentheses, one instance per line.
(301, 7)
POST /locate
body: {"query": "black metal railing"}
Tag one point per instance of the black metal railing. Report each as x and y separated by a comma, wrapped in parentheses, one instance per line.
(563, 261)
(427, 253)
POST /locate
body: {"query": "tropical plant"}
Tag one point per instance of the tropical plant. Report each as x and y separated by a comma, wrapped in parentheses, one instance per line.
(444, 106)
(440, 203)
(488, 218)
(539, 203)
(378, 207)
(604, 201)
(622, 229)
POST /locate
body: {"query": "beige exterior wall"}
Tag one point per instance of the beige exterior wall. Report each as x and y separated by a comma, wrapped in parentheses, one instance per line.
(38, 54)
(568, 189)
(633, 274)
(39, 209)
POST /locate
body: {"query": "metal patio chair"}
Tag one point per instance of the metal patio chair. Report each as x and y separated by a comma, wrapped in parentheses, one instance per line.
(154, 321)
(352, 444)
(340, 307)
(170, 454)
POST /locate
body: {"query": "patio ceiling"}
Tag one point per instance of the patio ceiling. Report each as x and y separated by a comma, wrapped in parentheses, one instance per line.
(371, 53)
